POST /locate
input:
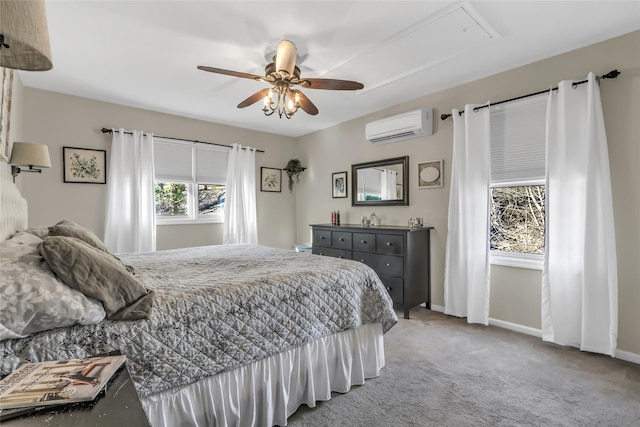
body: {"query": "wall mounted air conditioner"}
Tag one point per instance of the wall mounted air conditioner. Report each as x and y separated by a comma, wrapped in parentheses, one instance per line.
(413, 124)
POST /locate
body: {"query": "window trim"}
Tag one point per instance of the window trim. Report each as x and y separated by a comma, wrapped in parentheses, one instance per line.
(516, 259)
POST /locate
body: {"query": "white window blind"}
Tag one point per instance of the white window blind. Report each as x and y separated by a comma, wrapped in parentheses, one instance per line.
(173, 161)
(211, 164)
(518, 140)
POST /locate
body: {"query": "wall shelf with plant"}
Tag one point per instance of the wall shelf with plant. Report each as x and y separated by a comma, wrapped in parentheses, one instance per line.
(294, 169)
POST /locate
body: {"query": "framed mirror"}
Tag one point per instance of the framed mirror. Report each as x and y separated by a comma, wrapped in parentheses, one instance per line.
(380, 183)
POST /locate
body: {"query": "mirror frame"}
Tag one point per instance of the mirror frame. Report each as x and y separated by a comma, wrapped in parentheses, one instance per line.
(404, 160)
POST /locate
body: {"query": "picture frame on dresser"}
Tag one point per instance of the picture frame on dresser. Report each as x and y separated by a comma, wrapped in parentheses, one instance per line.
(270, 180)
(339, 185)
(84, 165)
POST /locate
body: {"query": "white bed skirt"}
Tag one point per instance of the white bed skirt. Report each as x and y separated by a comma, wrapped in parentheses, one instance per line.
(267, 392)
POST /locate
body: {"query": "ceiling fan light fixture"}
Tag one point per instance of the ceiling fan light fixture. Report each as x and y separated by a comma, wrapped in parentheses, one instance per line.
(281, 100)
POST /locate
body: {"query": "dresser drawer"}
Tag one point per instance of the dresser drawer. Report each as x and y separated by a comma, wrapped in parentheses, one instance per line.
(341, 240)
(364, 242)
(322, 237)
(391, 244)
(387, 265)
(395, 287)
(336, 253)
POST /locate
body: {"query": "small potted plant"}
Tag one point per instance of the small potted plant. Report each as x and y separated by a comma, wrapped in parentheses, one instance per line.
(293, 168)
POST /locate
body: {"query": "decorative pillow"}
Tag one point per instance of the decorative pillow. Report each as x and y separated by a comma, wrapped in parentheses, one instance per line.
(97, 275)
(40, 232)
(32, 299)
(69, 228)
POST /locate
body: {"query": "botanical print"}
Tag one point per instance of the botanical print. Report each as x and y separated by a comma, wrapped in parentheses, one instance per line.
(271, 179)
(84, 165)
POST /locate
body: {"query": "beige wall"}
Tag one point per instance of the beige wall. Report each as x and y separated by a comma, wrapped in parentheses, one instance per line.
(515, 292)
(61, 120)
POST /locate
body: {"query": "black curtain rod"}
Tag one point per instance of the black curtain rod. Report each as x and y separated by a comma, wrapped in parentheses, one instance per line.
(105, 130)
(610, 75)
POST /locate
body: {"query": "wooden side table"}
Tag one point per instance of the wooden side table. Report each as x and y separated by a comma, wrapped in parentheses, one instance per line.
(117, 405)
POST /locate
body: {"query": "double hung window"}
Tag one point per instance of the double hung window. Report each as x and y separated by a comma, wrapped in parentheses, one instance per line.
(189, 181)
(517, 196)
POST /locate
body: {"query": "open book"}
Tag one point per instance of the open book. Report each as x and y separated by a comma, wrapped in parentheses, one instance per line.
(57, 382)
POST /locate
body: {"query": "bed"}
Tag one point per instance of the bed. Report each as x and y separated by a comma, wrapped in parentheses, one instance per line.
(237, 334)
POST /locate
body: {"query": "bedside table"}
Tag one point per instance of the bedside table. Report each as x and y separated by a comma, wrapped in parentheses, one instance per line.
(117, 405)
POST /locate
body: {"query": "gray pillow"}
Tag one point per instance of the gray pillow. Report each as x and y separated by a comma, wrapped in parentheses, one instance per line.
(32, 298)
(97, 275)
(69, 228)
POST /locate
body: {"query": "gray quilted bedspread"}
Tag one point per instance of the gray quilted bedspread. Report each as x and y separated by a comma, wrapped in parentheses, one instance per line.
(217, 308)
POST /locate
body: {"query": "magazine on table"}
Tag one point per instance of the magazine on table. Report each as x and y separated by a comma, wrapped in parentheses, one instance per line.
(57, 382)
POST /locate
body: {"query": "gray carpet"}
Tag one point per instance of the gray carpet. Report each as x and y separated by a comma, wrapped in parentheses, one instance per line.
(441, 371)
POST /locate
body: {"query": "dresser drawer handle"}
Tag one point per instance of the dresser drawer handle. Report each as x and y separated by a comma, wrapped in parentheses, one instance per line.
(388, 265)
(321, 237)
(361, 260)
(340, 257)
(364, 242)
(341, 239)
(389, 244)
(389, 288)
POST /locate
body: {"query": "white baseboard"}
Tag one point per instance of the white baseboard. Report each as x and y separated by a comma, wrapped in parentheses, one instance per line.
(620, 354)
(628, 356)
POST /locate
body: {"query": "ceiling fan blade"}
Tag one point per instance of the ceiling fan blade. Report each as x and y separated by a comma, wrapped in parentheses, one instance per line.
(286, 57)
(261, 94)
(229, 73)
(304, 102)
(330, 84)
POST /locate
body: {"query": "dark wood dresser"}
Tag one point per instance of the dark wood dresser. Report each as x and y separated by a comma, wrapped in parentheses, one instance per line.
(400, 255)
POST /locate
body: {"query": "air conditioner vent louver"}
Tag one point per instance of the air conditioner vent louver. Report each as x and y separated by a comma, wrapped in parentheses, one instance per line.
(413, 124)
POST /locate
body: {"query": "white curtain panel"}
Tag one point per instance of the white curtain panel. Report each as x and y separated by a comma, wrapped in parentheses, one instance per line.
(240, 223)
(131, 220)
(579, 277)
(466, 283)
(388, 185)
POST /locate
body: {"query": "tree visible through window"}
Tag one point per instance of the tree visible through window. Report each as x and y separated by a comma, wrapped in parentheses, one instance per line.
(517, 219)
(172, 199)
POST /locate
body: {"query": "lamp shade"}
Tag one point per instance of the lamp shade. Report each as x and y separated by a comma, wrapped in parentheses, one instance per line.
(23, 26)
(26, 154)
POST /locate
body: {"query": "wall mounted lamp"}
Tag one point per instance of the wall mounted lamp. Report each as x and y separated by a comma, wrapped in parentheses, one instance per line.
(35, 156)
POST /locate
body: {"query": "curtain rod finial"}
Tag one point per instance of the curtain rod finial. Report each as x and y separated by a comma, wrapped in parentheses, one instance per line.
(611, 74)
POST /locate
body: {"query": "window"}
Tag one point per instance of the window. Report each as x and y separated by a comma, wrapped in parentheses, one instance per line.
(189, 182)
(517, 196)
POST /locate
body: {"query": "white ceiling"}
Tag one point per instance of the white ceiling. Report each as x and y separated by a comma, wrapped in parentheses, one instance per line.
(144, 53)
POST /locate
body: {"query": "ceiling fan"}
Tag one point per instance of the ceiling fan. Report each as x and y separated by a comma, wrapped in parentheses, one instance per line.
(283, 74)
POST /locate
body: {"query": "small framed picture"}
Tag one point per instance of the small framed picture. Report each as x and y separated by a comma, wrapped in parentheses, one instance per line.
(84, 165)
(430, 174)
(339, 185)
(271, 180)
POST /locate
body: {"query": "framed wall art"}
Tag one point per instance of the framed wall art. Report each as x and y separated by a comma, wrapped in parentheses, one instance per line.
(6, 85)
(270, 180)
(339, 185)
(430, 174)
(84, 165)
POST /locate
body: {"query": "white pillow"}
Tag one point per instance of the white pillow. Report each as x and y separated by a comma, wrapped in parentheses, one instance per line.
(32, 298)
